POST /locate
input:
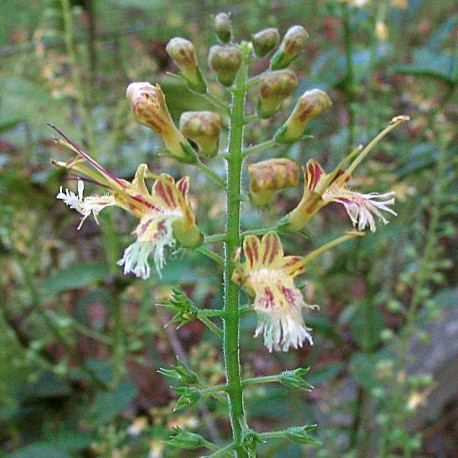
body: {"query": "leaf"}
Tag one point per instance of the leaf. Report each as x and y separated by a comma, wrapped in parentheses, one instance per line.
(363, 369)
(428, 64)
(420, 157)
(323, 374)
(40, 451)
(366, 325)
(75, 276)
(108, 405)
(68, 439)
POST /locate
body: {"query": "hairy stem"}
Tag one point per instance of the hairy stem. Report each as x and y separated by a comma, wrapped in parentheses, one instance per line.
(232, 242)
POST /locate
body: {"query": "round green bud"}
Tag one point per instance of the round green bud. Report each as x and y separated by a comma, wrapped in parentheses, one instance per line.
(225, 61)
(265, 41)
(203, 128)
(223, 27)
(274, 88)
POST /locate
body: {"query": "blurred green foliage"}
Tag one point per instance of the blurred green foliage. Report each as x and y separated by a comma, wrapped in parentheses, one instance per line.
(66, 388)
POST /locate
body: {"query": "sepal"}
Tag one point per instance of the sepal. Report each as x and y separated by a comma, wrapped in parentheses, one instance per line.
(180, 373)
(180, 303)
(188, 397)
(294, 379)
(186, 439)
(250, 440)
(300, 435)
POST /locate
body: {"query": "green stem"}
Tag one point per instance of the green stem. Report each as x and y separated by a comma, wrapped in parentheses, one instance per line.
(211, 254)
(349, 81)
(360, 157)
(259, 147)
(315, 253)
(263, 379)
(261, 231)
(216, 102)
(215, 238)
(210, 173)
(233, 241)
(76, 77)
(210, 312)
(119, 349)
(210, 325)
(223, 452)
(251, 118)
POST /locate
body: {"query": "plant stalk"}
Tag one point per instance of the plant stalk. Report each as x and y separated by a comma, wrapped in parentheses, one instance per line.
(233, 240)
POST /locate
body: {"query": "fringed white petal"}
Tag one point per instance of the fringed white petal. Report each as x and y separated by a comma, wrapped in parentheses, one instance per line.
(85, 205)
(361, 208)
(154, 234)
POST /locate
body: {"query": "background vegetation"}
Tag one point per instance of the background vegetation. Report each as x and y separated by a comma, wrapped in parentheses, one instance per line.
(75, 383)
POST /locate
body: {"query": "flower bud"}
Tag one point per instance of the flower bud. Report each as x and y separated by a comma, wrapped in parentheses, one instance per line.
(268, 177)
(203, 128)
(309, 106)
(150, 109)
(274, 87)
(292, 45)
(183, 54)
(223, 27)
(265, 41)
(225, 61)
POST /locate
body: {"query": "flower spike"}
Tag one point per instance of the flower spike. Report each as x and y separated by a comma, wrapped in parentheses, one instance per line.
(268, 275)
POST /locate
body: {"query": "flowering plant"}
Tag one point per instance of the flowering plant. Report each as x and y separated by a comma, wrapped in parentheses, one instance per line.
(256, 265)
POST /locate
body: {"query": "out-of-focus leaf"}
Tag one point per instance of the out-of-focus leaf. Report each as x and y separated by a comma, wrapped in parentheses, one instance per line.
(362, 367)
(420, 157)
(65, 438)
(366, 324)
(442, 33)
(324, 373)
(41, 451)
(108, 405)
(428, 64)
(324, 327)
(76, 276)
(47, 386)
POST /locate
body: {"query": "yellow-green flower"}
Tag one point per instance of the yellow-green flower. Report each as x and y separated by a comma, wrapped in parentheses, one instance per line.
(165, 213)
(268, 275)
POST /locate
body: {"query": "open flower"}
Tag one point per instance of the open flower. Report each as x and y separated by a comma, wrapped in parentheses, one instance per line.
(268, 275)
(165, 213)
(322, 188)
